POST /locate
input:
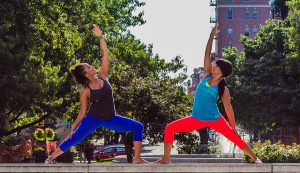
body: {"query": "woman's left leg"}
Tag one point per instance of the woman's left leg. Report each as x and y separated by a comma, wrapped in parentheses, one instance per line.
(123, 124)
(223, 127)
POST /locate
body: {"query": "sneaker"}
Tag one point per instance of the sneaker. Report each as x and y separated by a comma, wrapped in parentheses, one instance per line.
(48, 161)
(258, 161)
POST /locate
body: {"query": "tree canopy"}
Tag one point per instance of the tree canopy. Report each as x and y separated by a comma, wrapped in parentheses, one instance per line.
(41, 40)
(265, 84)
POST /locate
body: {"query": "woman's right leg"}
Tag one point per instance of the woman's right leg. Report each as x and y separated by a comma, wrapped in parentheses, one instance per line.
(186, 124)
(86, 127)
(123, 124)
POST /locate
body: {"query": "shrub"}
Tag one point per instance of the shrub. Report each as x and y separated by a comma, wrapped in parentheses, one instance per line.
(275, 153)
(39, 135)
(39, 155)
(50, 134)
(187, 143)
(214, 149)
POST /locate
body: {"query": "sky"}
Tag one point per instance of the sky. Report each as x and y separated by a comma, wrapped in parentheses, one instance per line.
(176, 27)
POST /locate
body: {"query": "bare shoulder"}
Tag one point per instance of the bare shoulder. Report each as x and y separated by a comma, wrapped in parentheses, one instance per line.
(226, 92)
(85, 92)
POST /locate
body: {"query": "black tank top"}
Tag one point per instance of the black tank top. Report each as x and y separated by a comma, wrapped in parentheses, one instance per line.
(102, 102)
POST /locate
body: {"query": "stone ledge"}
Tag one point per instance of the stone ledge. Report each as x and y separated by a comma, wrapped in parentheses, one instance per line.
(185, 160)
(147, 168)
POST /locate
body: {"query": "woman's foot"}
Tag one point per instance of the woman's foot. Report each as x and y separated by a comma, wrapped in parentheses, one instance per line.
(49, 161)
(163, 161)
(139, 161)
(258, 161)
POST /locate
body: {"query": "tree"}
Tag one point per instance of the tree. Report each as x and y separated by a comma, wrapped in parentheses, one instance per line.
(23, 70)
(282, 7)
(40, 40)
(265, 84)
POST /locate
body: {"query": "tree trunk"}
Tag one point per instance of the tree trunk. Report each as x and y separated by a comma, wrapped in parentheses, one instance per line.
(128, 142)
(116, 138)
(204, 136)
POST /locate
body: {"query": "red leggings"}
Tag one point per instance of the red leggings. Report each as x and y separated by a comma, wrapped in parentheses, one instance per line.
(190, 123)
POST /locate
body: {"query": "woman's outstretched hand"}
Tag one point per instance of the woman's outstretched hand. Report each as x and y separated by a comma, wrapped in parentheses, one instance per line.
(97, 31)
(214, 32)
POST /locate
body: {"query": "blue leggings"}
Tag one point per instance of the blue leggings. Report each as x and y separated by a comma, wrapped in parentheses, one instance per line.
(90, 124)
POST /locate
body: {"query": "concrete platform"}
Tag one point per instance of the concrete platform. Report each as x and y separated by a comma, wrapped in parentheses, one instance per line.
(191, 159)
(147, 168)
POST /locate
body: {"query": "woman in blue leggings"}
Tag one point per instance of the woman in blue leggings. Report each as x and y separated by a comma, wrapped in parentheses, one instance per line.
(97, 107)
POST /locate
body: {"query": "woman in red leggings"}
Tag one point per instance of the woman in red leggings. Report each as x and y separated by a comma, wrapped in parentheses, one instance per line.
(205, 109)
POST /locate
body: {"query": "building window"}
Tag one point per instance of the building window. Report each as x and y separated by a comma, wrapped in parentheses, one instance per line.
(229, 14)
(246, 15)
(254, 31)
(229, 32)
(247, 32)
(255, 15)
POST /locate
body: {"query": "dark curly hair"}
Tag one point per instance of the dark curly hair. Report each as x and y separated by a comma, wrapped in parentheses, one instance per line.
(78, 73)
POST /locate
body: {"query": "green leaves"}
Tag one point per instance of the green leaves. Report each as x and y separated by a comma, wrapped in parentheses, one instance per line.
(41, 40)
(275, 153)
(265, 83)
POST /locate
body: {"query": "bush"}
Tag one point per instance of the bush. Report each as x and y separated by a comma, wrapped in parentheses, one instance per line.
(275, 153)
(214, 149)
(50, 134)
(187, 143)
(39, 155)
(39, 135)
(11, 140)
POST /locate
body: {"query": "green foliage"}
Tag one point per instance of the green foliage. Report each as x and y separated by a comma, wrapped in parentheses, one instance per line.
(214, 149)
(39, 155)
(39, 135)
(275, 153)
(44, 135)
(50, 134)
(11, 140)
(39, 149)
(281, 4)
(41, 40)
(187, 143)
(265, 84)
(29, 83)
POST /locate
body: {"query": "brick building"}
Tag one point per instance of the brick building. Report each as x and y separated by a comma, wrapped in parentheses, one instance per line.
(196, 77)
(238, 17)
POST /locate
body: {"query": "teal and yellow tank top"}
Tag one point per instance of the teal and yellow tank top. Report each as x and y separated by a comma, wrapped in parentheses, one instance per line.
(205, 102)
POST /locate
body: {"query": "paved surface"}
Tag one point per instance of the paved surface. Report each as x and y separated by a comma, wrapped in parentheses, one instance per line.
(147, 168)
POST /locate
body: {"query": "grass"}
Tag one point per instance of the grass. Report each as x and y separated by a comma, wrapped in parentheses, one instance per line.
(104, 161)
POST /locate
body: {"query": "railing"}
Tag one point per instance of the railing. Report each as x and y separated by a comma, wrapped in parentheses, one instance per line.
(213, 3)
(212, 20)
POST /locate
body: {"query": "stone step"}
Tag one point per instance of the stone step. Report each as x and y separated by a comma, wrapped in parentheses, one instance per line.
(147, 168)
(123, 159)
(185, 155)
